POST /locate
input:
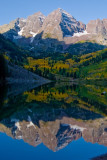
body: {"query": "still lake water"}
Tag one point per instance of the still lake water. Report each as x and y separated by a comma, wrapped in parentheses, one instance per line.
(52, 122)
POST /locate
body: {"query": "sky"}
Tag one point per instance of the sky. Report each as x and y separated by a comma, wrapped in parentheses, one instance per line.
(83, 10)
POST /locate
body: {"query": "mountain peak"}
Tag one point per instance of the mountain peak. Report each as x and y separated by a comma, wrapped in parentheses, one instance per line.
(58, 25)
(38, 13)
(63, 12)
(60, 9)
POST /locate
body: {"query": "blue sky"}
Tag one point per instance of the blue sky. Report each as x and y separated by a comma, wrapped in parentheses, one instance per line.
(83, 10)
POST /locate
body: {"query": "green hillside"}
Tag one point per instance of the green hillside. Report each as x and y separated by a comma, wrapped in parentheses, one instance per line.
(84, 47)
(56, 66)
(10, 54)
(11, 51)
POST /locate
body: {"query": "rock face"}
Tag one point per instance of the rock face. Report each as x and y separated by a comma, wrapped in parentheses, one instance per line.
(57, 24)
(98, 27)
(32, 25)
(19, 76)
(23, 28)
(10, 30)
(13, 25)
(60, 24)
(57, 30)
(55, 134)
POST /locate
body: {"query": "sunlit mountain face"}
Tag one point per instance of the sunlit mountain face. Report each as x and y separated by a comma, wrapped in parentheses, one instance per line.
(55, 114)
(55, 32)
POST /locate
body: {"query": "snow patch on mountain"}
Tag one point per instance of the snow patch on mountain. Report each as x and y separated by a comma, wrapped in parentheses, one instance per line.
(77, 127)
(74, 127)
(30, 123)
(21, 31)
(19, 36)
(17, 124)
(23, 20)
(80, 34)
(19, 137)
(33, 34)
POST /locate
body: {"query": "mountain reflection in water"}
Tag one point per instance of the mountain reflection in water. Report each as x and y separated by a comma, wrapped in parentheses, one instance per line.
(55, 114)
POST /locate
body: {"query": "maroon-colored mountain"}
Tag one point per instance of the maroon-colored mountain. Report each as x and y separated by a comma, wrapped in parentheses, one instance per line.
(59, 28)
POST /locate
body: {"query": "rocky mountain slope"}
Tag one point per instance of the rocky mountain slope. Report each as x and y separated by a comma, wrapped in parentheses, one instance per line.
(10, 54)
(54, 134)
(60, 24)
(19, 75)
(99, 29)
(20, 27)
(56, 31)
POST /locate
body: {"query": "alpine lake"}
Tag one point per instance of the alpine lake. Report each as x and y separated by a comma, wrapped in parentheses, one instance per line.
(56, 121)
